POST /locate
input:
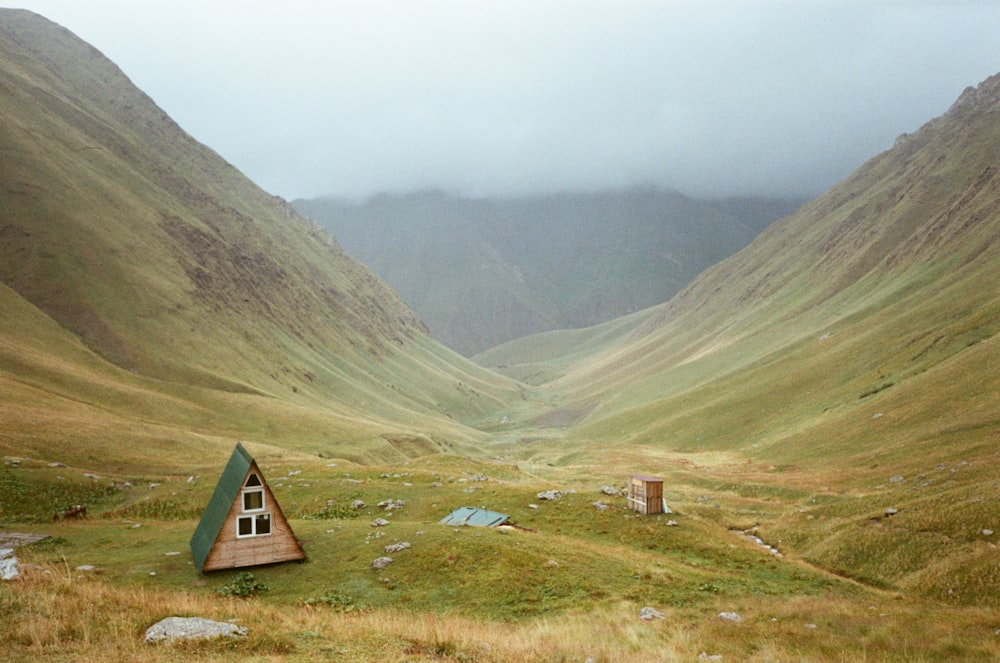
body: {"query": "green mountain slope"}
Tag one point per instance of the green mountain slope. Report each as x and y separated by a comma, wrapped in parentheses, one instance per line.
(192, 294)
(852, 346)
(482, 272)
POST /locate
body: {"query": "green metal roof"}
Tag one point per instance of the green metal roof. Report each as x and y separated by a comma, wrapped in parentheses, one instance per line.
(468, 515)
(226, 492)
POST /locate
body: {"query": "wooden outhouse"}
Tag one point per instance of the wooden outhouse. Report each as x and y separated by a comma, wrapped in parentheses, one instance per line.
(243, 524)
(645, 494)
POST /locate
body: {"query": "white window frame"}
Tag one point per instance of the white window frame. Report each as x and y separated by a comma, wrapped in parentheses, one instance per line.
(243, 500)
(253, 515)
(253, 518)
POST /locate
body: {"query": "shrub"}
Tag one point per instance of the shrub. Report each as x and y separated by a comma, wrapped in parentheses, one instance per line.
(244, 585)
(336, 600)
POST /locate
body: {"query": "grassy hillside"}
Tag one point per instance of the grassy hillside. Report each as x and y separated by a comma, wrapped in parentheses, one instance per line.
(483, 272)
(198, 298)
(852, 349)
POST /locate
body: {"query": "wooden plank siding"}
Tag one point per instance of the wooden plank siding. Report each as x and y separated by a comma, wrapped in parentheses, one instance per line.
(645, 494)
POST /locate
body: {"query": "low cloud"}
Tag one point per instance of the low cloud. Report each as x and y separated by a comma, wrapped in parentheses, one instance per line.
(712, 98)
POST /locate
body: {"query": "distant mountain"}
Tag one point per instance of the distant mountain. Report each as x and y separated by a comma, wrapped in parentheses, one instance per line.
(484, 271)
(149, 291)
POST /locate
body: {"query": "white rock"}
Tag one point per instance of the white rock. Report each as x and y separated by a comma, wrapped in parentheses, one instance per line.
(380, 522)
(648, 614)
(9, 568)
(191, 628)
(381, 562)
(987, 532)
(733, 617)
(397, 547)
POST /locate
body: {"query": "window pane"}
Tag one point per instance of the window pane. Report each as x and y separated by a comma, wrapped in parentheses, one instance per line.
(244, 526)
(264, 524)
(253, 499)
(253, 480)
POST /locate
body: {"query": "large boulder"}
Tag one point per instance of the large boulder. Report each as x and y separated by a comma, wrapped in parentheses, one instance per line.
(191, 628)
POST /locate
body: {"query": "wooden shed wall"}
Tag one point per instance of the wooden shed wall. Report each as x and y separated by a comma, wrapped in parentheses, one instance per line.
(279, 546)
(645, 494)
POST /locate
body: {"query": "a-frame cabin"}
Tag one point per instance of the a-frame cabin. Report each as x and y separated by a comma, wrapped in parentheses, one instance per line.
(243, 524)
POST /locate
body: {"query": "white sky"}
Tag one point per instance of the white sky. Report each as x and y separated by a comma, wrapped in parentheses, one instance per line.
(712, 97)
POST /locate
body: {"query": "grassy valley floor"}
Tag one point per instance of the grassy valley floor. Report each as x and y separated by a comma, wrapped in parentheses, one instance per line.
(567, 583)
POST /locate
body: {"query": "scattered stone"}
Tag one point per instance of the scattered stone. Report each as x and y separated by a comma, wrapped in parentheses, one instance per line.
(532, 506)
(704, 656)
(552, 563)
(357, 504)
(877, 415)
(57, 464)
(600, 506)
(191, 628)
(479, 477)
(672, 523)
(987, 532)
(390, 505)
(611, 490)
(397, 547)
(649, 614)
(553, 494)
(733, 617)
(810, 626)
(91, 475)
(891, 511)
(381, 562)
(897, 478)
(9, 568)
(380, 522)
(86, 567)
(172, 553)
(436, 484)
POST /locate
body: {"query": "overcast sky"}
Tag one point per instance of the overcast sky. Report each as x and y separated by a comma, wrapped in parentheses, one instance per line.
(504, 97)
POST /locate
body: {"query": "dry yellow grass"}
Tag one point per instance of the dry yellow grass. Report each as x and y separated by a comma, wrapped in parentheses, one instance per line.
(56, 614)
